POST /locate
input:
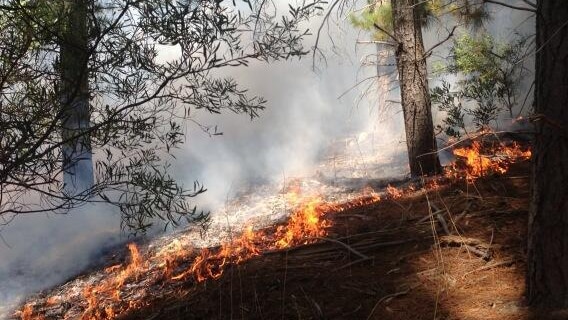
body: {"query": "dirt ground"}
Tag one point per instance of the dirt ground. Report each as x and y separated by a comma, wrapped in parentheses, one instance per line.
(391, 260)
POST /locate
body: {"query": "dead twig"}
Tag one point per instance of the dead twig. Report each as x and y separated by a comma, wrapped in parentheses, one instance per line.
(443, 223)
(495, 264)
(390, 297)
(351, 264)
(475, 246)
(362, 256)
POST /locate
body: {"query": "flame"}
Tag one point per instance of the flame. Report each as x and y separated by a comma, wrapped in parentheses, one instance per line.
(52, 300)
(112, 287)
(478, 163)
(393, 192)
(27, 312)
(304, 225)
(432, 185)
(516, 152)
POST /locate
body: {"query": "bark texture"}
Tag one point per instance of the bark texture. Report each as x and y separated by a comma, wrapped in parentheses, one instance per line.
(547, 277)
(77, 154)
(414, 91)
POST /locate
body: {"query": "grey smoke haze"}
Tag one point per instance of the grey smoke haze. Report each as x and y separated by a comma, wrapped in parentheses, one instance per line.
(304, 115)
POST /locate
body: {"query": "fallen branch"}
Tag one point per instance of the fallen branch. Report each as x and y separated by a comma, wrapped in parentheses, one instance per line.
(475, 246)
(389, 297)
(496, 264)
(351, 264)
(362, 256)
(443, 223)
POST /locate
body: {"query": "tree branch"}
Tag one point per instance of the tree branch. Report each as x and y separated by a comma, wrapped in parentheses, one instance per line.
(532, 4)
(451, 34)
(510, 6)
(386, 32)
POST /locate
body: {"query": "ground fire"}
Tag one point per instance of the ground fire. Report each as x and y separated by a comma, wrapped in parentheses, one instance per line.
(477, 160)
(128, 286)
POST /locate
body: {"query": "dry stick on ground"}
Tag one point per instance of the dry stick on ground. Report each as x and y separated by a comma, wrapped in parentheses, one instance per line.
(443, 223)
(496, 264)
(391, 296)
(362, 256)
(475, 246)
(464, 211)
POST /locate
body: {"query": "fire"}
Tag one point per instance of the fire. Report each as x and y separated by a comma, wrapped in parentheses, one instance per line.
(432, 185)
(111, 288)
(393, 192)
(516, 152)
(106, 298)
(125, 286)
(304, 225)
(477, 163)
(52, 300)
(494, 160)
(27, 312)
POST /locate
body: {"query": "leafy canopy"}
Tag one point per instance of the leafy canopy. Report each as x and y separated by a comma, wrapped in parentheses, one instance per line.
(151, 66)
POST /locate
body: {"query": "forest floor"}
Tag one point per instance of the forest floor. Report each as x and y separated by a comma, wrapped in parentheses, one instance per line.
(390, 260)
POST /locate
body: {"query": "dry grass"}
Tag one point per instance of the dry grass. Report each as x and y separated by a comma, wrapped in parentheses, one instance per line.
(392, 260)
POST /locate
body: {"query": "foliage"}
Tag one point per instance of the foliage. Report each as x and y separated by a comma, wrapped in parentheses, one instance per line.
(379, 14)
(139, 101)
(451, 103)
(377, 17)
(490, 75)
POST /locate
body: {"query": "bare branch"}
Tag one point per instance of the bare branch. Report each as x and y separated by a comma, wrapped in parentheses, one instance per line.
(511, 6)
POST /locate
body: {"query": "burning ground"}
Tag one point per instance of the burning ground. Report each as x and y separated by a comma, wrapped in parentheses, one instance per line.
(448, 246)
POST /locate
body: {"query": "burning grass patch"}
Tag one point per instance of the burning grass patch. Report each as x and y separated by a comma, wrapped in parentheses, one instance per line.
(408, 252)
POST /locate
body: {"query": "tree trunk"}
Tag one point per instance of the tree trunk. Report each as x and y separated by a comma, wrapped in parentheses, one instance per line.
(547, 274)
(74, 95)
(414, 91)
(386, 74)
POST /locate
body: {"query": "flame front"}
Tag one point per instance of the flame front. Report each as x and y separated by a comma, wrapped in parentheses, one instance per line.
(124, 287)
(111, 288)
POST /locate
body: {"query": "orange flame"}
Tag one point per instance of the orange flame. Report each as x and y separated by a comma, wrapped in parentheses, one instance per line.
(111, 287)
(307, 223)
(393, 192)
(478, 164)
(515, 152)
(304, 225)
(27, 312)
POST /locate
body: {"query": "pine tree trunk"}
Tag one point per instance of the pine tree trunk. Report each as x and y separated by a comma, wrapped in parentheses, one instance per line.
(547, 274)
(74, 95)
(414, 91)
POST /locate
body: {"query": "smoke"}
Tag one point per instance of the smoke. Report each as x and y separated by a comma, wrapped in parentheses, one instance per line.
(304, 116)
(39, 251)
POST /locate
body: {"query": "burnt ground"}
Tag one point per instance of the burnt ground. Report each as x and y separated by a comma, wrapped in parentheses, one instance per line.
(391, 260)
